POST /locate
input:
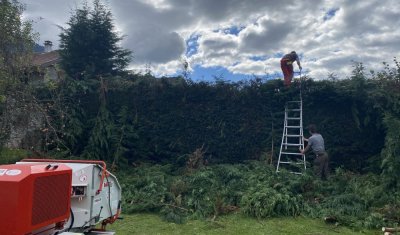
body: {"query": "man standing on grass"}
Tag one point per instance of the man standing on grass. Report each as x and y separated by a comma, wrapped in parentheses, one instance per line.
(316, 143)
(287, 66)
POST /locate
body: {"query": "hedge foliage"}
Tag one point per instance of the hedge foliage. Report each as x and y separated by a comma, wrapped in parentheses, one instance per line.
(142, 118)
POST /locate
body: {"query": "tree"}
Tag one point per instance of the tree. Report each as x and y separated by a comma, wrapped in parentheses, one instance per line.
(90, 46)
(391, 152)
(16, 40)
(16, 49)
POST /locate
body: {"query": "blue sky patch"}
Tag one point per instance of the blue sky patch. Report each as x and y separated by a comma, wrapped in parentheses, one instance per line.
(330, 14)
(279, 55)
(192, 45)
(234, 30)
(258, 58)
(212, 73)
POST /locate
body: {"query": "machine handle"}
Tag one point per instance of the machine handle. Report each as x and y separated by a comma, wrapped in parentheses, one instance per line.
(48, 167)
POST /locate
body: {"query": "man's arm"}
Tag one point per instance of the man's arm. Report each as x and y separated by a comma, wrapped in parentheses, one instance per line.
(310, 142)
(302, 151)
(298, 62)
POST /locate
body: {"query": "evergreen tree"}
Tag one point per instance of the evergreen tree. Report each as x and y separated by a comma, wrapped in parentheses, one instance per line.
(16, 40)
(89, 47)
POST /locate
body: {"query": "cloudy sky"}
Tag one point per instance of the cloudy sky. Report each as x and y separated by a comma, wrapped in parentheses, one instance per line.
(236, 39)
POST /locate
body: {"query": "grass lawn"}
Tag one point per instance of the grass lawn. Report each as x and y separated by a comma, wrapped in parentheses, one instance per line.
(232, 224)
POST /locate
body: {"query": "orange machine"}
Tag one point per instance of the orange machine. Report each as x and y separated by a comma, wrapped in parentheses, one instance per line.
(34, 196)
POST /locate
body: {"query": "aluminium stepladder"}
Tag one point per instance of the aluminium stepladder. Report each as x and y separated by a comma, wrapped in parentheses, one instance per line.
(292, 139)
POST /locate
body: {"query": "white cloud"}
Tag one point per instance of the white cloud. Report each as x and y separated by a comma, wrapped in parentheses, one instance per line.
(157, 4)
(265, 36)
(328, 34)
(249, 67)
(216, 49)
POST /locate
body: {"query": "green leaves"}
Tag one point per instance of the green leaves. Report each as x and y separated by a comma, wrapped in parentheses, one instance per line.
(16, 42)
(89, 47)
(391, 152)
(102, 138)
(254, 189)
(262, 202)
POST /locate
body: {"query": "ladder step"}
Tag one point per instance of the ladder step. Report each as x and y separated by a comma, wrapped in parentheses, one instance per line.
(300, 154)
(292, 144)
(293, 123)
(292, 172)
(297, 163)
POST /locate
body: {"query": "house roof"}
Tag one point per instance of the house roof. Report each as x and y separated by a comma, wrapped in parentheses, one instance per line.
(46, 59)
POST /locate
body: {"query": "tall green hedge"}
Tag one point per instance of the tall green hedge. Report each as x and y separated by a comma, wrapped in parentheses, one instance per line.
(164, 119)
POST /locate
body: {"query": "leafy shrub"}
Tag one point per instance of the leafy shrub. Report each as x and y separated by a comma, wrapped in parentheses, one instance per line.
(202, 193)
(10, 156)
(145, 189)
(345, 205)
(264, 202)
(391, 152)
(391, 212)
(374, 221)
(256, 190)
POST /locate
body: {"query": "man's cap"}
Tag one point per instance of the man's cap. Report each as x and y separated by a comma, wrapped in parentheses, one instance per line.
(293, 52)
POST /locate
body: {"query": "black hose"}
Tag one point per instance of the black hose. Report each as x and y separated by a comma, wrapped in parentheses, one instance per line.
(72, 220)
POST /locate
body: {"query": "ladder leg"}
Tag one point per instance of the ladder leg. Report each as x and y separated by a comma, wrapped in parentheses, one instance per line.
(290, 145)
(283, 134)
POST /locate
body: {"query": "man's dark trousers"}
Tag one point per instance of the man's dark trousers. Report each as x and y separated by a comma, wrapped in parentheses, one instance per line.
(321, 165)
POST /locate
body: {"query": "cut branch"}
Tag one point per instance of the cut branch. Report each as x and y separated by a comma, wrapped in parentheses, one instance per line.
(391, 230)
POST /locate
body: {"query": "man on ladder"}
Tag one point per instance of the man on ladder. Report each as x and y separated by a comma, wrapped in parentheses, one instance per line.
(287, 66)
(292, 135)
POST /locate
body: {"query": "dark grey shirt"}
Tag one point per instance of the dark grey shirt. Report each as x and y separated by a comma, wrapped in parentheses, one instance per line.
(316, 142)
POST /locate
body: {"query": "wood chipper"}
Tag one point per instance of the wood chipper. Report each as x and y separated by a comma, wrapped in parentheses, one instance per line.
(49, 197)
